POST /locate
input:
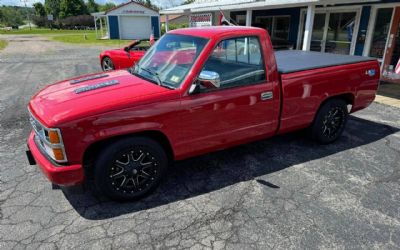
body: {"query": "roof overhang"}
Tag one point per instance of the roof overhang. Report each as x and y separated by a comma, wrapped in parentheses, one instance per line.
(253, 4)
(98, 14)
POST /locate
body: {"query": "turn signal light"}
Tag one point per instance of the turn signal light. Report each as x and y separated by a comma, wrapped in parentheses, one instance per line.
(54, 138)
(58, 154)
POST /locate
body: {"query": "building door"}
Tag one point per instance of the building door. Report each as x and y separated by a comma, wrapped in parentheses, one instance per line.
(392, 52)
(135, 27)
(334, 31)
(380, 33)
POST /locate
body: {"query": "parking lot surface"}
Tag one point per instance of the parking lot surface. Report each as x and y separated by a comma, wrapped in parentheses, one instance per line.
(281, 193)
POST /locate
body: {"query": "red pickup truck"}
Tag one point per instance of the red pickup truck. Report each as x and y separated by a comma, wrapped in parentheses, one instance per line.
(195, 91)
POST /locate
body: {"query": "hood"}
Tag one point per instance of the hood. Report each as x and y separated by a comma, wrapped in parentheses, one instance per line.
(91, 94)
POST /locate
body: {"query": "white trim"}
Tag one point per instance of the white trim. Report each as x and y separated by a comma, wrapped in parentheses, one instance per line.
(325, 33)
(388, 38)
(249, 16)
(108, 27)
(119, 27)
(308, 27)
(300, 31)
(166, 23)
(134, 15)
(95, 26)
(370, 30)
(357, 21)
(253, 5)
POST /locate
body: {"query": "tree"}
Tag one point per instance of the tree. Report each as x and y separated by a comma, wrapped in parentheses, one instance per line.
(52, 7)
(12, 16)
(39, 9)
(107, 6)
(92, 6)
(72, 8)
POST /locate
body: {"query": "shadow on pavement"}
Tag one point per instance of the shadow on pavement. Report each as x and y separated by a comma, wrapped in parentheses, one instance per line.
(214, 171)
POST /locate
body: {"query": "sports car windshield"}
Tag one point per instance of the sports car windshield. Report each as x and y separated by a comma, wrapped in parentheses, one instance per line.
(170, 59)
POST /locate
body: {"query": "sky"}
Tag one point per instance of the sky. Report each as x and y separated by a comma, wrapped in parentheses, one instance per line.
(162, 3)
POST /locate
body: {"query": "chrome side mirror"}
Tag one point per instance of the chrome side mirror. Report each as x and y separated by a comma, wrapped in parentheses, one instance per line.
(209, 79)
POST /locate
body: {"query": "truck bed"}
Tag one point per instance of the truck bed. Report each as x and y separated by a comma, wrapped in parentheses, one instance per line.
(290, 61)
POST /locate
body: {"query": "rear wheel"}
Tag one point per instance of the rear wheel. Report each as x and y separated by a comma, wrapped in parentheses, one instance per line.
(130, 168)
(330, 121)
(107, 64)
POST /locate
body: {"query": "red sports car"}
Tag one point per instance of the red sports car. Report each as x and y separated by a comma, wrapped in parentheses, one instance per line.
(124, 57)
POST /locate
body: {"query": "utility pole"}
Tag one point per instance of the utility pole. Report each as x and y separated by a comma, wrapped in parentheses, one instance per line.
(27, 13)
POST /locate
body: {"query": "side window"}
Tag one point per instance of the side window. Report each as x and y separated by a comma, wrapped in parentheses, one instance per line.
(238, 61)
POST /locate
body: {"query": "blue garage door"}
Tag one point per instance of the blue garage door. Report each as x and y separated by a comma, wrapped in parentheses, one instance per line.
(114, 29)
(155, 25)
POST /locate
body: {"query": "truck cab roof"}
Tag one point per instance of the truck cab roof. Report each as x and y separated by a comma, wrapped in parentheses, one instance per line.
(213, 31)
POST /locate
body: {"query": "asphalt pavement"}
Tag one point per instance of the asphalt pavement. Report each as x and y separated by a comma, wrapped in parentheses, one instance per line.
(281, 193)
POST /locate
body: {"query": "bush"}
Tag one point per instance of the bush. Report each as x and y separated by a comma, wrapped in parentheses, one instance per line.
(78, 22)
(72, 22)
(40, 21)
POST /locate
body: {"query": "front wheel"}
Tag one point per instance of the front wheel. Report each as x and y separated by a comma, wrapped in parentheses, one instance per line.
(130, 168)
(330, 121)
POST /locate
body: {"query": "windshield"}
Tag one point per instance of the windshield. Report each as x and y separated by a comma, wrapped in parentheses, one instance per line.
(170, 59)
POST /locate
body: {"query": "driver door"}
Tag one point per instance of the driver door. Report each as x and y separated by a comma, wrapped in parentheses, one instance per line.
(239, 110)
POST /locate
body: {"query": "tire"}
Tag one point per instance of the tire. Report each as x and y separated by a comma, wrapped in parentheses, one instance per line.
(107, 64)
(330, 121)
(130, 168)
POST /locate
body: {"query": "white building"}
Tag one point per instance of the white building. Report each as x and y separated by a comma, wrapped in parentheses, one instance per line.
(131, 20)
(355, 27)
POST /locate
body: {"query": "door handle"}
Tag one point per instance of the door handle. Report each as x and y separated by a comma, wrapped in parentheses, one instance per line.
(267, 95)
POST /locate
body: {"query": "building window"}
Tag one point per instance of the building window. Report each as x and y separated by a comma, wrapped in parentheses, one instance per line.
(277, 26)
(240, 20)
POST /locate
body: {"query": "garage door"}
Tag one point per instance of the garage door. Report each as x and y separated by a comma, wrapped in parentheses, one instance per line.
(135, 27)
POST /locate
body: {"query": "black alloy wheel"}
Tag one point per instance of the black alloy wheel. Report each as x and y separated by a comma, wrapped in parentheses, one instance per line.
(130, 168)
(330, 121)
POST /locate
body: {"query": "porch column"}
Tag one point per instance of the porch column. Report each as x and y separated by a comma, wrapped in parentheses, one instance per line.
(308, 27)
(166, 23)
(95, 26)
(249, 16)
(101, 27)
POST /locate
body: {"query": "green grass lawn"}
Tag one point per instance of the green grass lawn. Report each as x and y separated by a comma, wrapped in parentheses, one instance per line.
(68, 36)
(3, 44)
(87, 38)
(39, 31)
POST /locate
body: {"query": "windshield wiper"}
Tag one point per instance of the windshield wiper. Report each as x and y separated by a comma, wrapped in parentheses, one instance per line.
(153, 73)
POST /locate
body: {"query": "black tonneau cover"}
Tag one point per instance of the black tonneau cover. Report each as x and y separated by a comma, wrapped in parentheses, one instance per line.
(290, 61)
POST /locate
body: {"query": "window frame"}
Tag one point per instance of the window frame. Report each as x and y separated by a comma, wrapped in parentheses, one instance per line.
(264, 81)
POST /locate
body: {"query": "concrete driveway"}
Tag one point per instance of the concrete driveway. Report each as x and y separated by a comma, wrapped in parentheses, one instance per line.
(281, 193)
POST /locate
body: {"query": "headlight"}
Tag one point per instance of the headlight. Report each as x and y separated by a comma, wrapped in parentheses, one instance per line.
(49, 140)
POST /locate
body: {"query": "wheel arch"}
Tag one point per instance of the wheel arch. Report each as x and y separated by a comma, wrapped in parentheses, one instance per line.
(93, 149)
(103, 55)
(347, 97)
